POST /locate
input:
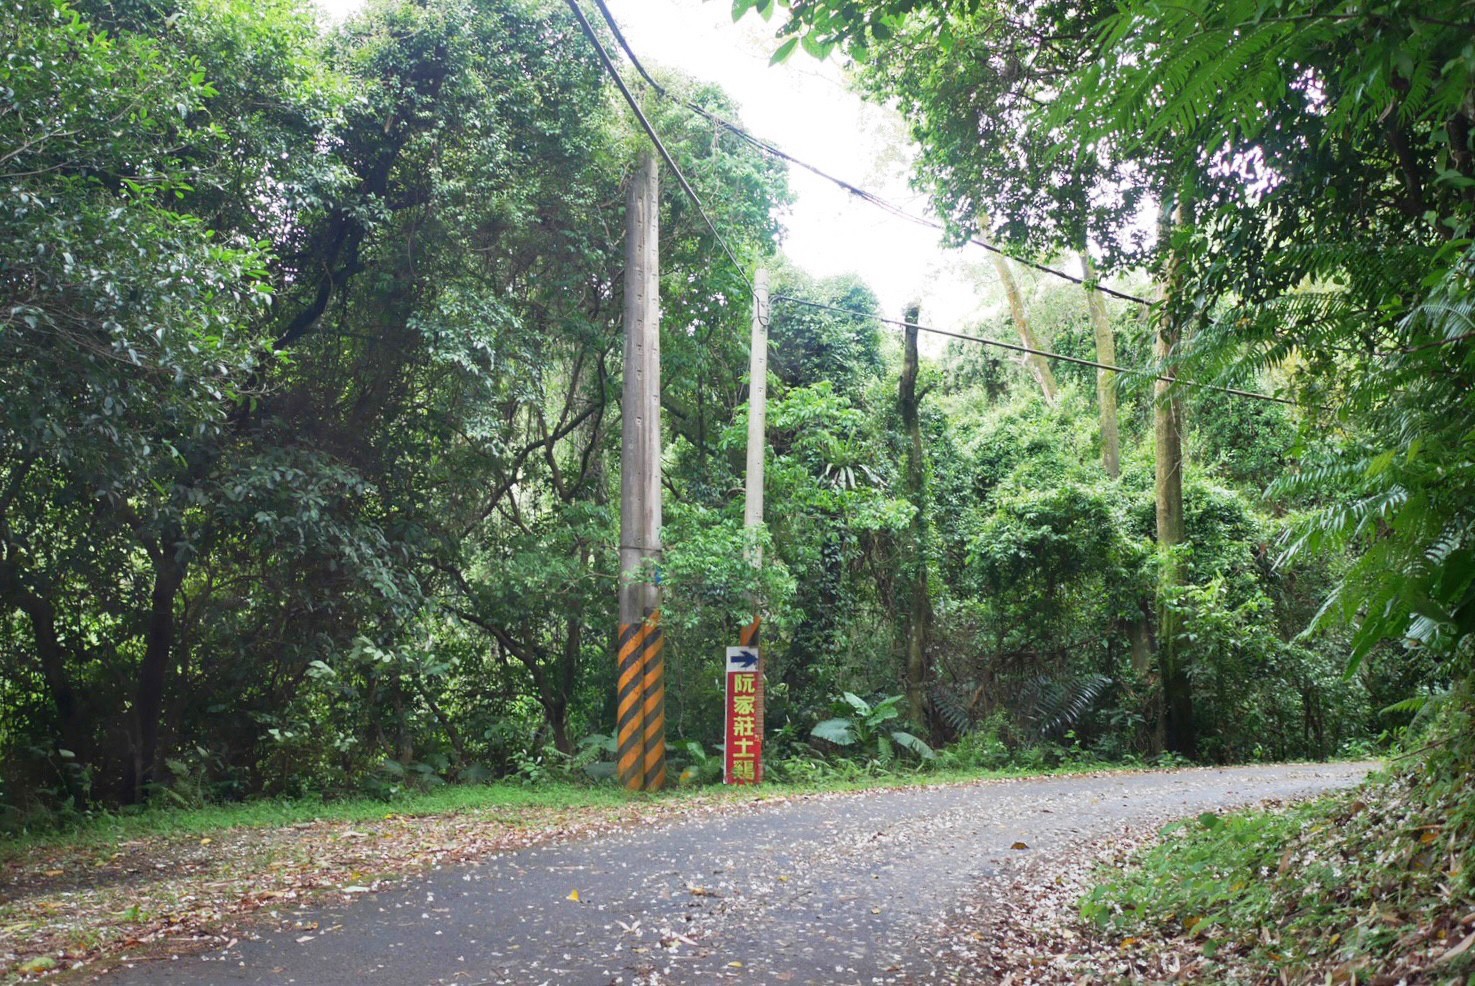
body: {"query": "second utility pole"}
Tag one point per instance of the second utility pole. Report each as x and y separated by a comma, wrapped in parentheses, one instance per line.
(641, 688)
(753, 484)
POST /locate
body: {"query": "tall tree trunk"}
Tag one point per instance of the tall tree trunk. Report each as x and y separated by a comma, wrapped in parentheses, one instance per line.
(1037, 364)
(568, 672)
(70, 718)
(1139, 638)
(1111, 446)
(1168, 487)
(148, 700)
(919, 615)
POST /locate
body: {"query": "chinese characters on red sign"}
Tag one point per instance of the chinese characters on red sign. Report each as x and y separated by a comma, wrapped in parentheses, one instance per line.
(744, 732)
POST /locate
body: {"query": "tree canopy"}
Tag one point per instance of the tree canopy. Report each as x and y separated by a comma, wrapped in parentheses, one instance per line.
(310, 363)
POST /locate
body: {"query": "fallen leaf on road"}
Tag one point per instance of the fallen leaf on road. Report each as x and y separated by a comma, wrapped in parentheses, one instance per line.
(573, 895)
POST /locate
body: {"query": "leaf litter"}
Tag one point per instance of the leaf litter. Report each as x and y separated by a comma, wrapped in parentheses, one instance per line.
(70, 908)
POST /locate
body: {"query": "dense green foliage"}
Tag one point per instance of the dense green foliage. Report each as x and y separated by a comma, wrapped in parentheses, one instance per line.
(1321, 161)
(1316, 165)
(311, 346)
(1366, 886)
(309, 422)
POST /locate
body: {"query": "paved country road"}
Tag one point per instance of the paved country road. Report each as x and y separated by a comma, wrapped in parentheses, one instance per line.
(833, 889)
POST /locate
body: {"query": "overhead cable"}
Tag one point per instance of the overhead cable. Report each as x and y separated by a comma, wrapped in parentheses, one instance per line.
(701, 209)
(1015, 347)
(609, 67)
(853, 189)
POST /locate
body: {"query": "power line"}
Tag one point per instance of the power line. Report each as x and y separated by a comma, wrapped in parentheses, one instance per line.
(650, 131)
(853, 189)
(696, 200)
(1015, 347)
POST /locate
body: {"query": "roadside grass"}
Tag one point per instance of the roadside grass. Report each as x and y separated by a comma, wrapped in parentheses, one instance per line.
(167, 821)
(509, 800)
(1370, 886)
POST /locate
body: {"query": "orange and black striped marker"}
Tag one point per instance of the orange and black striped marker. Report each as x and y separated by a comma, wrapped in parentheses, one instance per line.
(641, 706)
(654, 710)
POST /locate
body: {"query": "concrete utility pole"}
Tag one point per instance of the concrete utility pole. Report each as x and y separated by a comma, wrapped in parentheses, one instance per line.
(757, 408)
(753, 485)
(641, 703)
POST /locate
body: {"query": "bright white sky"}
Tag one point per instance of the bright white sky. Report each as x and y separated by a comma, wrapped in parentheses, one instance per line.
(805, 108)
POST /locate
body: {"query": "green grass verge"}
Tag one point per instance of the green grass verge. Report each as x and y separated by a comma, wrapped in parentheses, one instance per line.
(102, 828)
(1370, 886)
(167, 821)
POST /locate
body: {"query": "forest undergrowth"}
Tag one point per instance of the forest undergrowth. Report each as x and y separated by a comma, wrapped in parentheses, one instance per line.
(1369, 886)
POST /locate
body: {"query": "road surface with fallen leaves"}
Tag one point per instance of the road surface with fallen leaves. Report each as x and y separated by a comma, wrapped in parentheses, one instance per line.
(833, 889)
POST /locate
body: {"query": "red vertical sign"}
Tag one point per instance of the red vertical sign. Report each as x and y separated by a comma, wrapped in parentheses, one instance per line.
(743, 759)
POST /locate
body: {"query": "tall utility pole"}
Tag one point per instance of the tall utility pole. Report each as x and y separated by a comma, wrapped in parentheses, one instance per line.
(753, 488)
(641, 702)
(757, 409)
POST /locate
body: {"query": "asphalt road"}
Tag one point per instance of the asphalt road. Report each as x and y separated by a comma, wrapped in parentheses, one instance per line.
(830, 889)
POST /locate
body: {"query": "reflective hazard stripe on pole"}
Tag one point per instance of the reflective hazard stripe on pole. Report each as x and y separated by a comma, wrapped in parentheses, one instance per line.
(654, 709)
(641, 707)
(630, 733)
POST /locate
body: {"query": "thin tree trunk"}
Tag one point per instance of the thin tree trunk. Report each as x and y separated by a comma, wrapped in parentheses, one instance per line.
(1037, 364)
(1139, 638)
(1168, 487)
(568, 672)
(919, 618)
(49, 651)
(1111, 447)
(458, 744)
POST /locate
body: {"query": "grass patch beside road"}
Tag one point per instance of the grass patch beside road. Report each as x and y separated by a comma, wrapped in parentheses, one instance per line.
(111, 827)
(1370, 886)
(167, 821)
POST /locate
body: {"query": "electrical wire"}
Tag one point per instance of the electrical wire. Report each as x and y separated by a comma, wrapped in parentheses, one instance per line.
(855, 190)
(697, 202)
(650, 131)
(1015, 347)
